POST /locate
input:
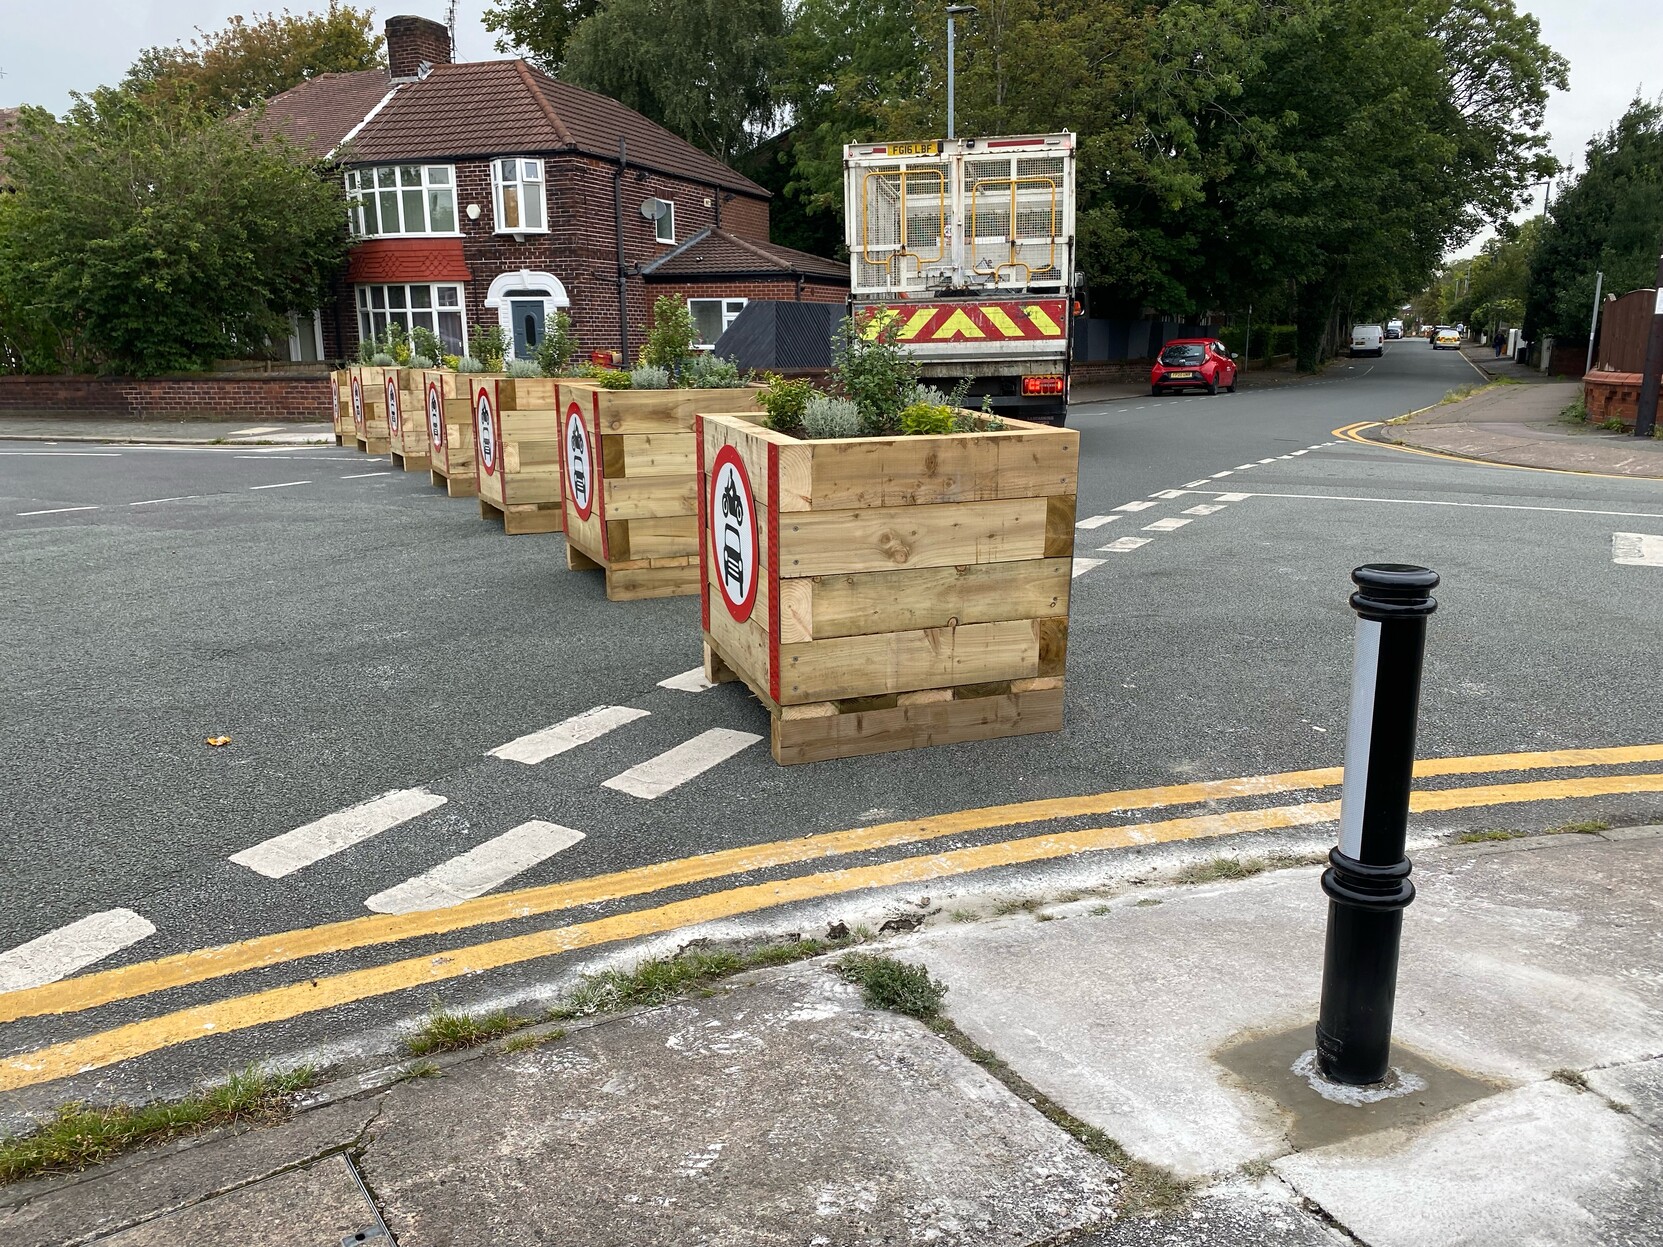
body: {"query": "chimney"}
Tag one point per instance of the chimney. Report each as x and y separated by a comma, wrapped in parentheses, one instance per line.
(413, 42)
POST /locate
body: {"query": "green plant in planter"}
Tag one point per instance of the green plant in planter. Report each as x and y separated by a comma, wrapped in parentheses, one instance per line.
(383, 360)
(559, 347)
(875, 371)
(927, 418)
(785, 402)
(424, 341)
(450, 362)
(671, 338)
(418, 360)
(708, 372)
(611, 379)
(468, 363)
(489, 345)
(647, 377)
(523, 368)
(827, 416)
(397, 343)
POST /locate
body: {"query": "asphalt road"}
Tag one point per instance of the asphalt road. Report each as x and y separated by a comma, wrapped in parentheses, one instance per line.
(354, 632)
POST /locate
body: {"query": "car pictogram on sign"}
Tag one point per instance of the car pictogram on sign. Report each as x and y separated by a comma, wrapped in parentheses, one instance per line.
(393, 413)
(580, 466)
(733, 533)
(435, 415)
(485, 427)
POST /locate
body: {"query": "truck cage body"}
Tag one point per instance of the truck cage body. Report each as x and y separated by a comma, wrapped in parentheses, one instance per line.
(956, 217)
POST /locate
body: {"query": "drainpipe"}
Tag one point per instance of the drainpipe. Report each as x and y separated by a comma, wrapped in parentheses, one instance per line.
(623, 272)
(716, 198)
(799, 287)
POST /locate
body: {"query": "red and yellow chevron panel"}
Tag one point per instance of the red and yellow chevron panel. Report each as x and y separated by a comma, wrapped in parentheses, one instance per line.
(1031, 320)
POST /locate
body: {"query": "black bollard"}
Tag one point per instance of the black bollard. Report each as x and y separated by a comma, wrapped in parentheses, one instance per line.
(1367, 881)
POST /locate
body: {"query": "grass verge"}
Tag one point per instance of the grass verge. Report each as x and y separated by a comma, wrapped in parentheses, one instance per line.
(444, 1031)
(79, 1137)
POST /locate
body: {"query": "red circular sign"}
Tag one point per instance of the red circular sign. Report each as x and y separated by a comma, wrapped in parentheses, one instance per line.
(435, 415)
(485, 428)
(731, 528)
(392, 404)
(580, 463)
(357, 400)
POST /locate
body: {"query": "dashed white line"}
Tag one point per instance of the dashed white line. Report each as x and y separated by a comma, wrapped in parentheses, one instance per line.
(674, 767)
(150, 502)
(1237, 497)
(358, 476)
(1134, 506)
(280, 485)
(1202, 481)
(1096, 521)
(1216, 475)
(1084, 565)
(1204, 508)
(580, 729)
(1168, 493)
(1637, 549)
(688, 681)
(1170, 524)
(64, 454)
(1297, 453)
(1242, 467)
(481, 868)
(1122, 544)
(1436, 502)
(57, 954)
(57, 511)
(1272, 459)
(294, 850)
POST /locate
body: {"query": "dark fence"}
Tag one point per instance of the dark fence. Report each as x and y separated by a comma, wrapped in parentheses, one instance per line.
(1623, 327)
(1100, 341)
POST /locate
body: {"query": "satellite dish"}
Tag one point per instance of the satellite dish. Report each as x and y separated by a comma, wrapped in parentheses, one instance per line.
(652, 209)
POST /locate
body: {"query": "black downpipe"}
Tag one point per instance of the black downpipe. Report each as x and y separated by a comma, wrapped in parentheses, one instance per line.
(623, 269)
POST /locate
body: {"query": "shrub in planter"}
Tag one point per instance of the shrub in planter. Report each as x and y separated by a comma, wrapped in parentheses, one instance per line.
(708, 372)
(825, 417)
(559, 347)
(785, 401)
(647, 377)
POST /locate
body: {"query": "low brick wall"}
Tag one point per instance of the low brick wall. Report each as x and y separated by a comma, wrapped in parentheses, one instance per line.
(1611, 396)
(207, 397)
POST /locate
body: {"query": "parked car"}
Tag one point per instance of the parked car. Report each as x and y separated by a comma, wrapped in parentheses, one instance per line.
(1446, 338)
(1432, 332)
(1394, 329)
(1193, 364)
(1367, 340)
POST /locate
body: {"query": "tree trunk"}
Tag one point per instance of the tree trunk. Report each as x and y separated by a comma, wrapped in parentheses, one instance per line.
(1313, 313)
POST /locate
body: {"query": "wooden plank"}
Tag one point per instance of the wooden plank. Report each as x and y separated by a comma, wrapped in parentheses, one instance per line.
(577, 561)
(822, 737)
(899, 662)
(820, 543)
(908, 471)
(652, 538)
(631, 584)
(1059, 526)
(653, 454)
(1052, 637)
(924, 597)
(651, 497)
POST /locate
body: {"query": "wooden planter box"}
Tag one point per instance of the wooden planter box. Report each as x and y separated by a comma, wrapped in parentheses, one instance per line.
(516, 431)
(888, 593)
(345, 434)
(630, 483)
(369, 408)
(407, 420)
(449, 414)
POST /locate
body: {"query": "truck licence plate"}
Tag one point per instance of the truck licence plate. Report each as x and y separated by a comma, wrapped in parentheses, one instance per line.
(912, 149)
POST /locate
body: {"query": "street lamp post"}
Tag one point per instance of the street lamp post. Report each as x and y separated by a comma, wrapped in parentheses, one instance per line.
(953, 10)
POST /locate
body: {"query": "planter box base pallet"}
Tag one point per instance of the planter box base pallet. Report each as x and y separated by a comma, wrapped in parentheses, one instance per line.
(522, 517)
(373, 445)
(461, 486)
(877, 594)
(411, 462)
(630, 482)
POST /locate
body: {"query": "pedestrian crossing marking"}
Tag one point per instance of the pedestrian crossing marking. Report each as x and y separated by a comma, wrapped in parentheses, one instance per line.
(671, 769)
(580, 729)
(294, 850)
(58, 954)
(479, 870)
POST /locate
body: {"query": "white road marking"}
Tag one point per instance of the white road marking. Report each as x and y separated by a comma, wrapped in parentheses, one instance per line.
(64, 454)
(58, 954)
(1202, 481)
(280, 485)
(481, 868)
(1134, 506)
(1637, 549)
(1242, 467)
(578, 730)
(266, 428)
(688, 681)
(1121, 544)
(1168, 493)
(1433, 502)
(1096, 521)
(674, 767)
(1170, 524)
(294, 850)
(1272, 459)
(1205, 508)
(358, 476)
(1226, 472)
(57, 511)
(1297, 453)
(1084, 565)
(150, 502)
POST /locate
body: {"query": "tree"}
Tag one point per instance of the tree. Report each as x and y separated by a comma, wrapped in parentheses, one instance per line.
(255, 58)
(143, 239)
(1609, 219)
(538, 29)
(700, 68)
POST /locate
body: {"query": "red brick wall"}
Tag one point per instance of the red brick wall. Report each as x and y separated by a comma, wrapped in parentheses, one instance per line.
(782, 289)
(255, 399)
(581, 245)
(1611, 396)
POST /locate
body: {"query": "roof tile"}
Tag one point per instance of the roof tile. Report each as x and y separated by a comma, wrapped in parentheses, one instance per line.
(714, 252)
(319, 113)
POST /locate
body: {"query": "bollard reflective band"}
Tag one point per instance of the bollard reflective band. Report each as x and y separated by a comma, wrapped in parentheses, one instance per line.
(1359, 735)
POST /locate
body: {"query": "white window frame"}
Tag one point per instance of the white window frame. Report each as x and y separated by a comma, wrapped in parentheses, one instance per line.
(365, 181)
(731, 307)
(518, 284)
(364, 300)
(662, 232)
(520, 182)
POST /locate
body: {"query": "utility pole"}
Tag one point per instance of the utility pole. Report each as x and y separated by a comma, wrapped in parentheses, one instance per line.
(1593, 322)
(953, 10)
(1645, 415)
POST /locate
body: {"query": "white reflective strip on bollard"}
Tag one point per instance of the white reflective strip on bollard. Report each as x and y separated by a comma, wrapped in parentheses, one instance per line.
(1359, 733)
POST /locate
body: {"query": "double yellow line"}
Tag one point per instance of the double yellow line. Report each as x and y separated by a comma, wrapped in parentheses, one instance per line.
(311, 995)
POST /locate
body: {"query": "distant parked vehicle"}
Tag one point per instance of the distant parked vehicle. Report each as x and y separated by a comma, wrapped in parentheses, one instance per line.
(1446, 339)
(1394, 328)
(1367, 340)
(1432, 332)
(1193, 364)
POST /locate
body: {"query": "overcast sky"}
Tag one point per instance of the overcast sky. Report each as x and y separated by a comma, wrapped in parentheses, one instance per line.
(53, 47)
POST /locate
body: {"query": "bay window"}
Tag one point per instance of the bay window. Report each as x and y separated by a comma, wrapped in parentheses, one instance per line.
(392, 200)
(517, 185)
(436, 307)
(711, 318)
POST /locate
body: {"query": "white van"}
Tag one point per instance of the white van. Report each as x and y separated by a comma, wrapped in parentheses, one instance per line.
(1367, 340)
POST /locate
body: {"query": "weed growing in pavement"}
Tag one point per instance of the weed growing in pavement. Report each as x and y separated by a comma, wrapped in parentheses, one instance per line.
(961, 915)
(1487, 834)
(78, 1137)
(444, 1031)
(1587, 827)
(524, 1043)
(1576, 412)
(1025, 906)
(423, 1069)
(1571, 1078)
(1614, 425)
(1222, 868)
(1100, 911)
(1256, 1169)
(1148, 901)
(886, 983)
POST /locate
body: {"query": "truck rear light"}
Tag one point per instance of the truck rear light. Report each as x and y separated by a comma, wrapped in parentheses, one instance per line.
(1032, 386)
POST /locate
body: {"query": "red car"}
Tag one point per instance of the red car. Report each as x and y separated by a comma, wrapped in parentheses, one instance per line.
(1193, 364)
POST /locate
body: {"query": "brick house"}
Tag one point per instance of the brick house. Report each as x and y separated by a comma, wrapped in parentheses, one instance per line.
(489, 193)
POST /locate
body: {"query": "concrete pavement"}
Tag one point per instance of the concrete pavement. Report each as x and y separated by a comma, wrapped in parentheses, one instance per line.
(1174, 1017)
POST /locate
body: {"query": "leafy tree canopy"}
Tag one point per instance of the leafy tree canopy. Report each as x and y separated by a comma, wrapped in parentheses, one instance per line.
(255, 58)
(145, 239)
(538, 29)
